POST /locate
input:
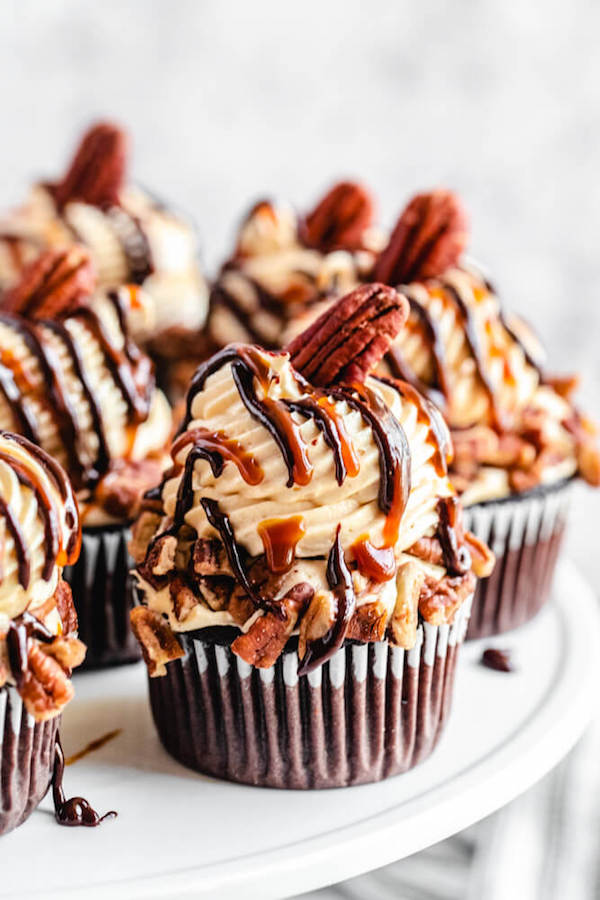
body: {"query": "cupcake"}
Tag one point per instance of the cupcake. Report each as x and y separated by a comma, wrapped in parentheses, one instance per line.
(132, 237)
(73, 382)
(285, 263)
(38, 625)
(303, 575)
(519, 440)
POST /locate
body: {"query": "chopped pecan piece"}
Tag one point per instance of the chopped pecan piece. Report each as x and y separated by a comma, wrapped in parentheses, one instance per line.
(159, 644)
(45, 687)
(368, 623)
(564, 385)
(440, 599)
(348, 340)
(160, 559)
(588, 460)
(429, 550)
(142, 532)
(209, 557)
(263, 643)
(316, 621)
(53, 285)
(216, 590)
(68, 651)
(339, 221)
(482, 558)
(183, 597)
(429, 238)
(405, 617)
(121, 491)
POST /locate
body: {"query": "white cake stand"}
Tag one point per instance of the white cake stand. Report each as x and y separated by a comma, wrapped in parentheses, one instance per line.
(182, 835)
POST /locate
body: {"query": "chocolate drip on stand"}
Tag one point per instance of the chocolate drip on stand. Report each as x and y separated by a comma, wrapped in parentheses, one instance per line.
(76, 811)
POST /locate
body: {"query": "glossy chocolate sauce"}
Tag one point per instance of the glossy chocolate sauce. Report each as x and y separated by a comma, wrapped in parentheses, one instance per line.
(19, 631)
(76, 811)
(318, 408)
(457, 560)
(439, 389)
(340, 583)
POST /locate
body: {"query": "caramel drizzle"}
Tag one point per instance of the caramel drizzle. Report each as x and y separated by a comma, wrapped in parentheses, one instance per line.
(280, 538)
(427, 414)
(439, 390)
(216, 447)
(318, 408)
(339, 579)
(54, 552)
(472, 339)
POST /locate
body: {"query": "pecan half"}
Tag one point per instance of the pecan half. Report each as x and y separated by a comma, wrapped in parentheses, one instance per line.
(53, 285)
(340, 219)
(428, 238)
(159, 644)
(63, 598)
(45, 688)
(98, 170)
(120, 492)
(348, 340)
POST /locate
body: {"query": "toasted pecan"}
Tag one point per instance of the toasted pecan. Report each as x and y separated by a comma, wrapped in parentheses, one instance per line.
(53, 285)
(440, 598)
(183, 597)
(121, 490)
(68, 651)
(45, 687)
(348, 340)
(428, 238)
(97, 172)
(63, 599)
(159, 644)
(405, 616)
(264, 641)
(340, 219)
(368, 623)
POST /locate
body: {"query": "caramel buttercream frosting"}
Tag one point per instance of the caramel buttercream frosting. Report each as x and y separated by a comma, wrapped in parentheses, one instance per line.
(285, 263)
(514, 426)
(132, 237)
(305, 496)
(73, 381)
(39, 534)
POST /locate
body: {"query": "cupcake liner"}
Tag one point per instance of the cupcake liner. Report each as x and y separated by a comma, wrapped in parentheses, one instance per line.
(525, 533)
(372, 711)
(26, 759)
(99, 582)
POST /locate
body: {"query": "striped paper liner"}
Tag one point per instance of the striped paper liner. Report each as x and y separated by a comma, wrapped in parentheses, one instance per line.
(26, 759)
(525, 533)
(372, 711)
(99, 581)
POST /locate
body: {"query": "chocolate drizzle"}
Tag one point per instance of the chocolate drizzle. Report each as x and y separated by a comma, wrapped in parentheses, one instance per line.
(130, 369)
(439, 390)
(340, 583)
(134, 243)
(220, 522)
(457, 560)
(76, 811)
(19, 631)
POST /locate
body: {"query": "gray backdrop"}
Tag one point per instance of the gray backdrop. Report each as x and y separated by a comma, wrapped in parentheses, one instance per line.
(228, 101)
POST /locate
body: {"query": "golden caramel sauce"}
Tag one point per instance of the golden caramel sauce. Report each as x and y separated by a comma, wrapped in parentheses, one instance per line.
(377, 563)
(134, 296)
(228, 448)
(349, 454)
(280, 538)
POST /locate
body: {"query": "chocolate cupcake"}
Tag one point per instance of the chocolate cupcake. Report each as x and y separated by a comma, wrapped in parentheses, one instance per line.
(74, 382)
(38, 626)
(132, 237)
(285, 263)
(518, 438)
(303, 576)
